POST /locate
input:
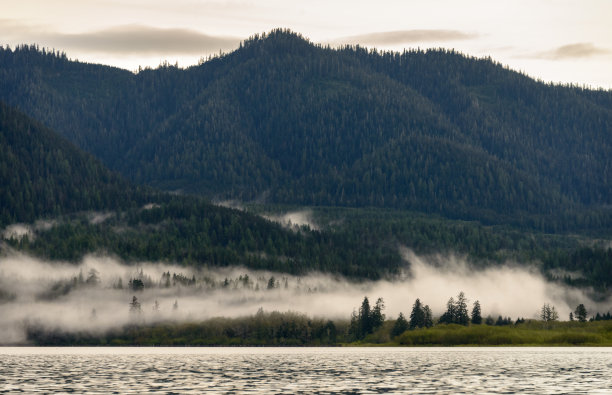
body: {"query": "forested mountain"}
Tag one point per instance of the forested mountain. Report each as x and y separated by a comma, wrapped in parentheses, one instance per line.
(42, 174)
(292, 122)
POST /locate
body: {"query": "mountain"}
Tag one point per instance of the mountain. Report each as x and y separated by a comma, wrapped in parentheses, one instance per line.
(286, 121)
(43, 175)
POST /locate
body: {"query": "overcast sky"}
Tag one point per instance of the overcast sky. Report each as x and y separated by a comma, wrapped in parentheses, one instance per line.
(554, 40)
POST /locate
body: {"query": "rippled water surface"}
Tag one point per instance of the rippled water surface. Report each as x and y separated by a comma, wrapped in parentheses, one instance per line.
(306, 370)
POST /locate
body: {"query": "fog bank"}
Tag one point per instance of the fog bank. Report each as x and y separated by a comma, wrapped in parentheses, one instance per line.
(95, 295)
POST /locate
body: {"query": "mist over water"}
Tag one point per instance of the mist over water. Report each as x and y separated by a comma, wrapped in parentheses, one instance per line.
(95, 295)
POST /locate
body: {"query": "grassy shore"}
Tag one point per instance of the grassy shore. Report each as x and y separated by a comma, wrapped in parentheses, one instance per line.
(290, 329)
(532, 333)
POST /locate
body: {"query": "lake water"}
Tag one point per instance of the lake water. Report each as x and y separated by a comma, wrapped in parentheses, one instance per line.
(306, 370)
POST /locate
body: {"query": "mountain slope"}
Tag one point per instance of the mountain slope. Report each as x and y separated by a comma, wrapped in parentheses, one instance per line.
(42, 174)
(296, 123)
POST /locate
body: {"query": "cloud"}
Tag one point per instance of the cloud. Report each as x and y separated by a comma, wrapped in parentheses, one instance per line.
(131, 39)
(139, 39)
(406, 36)
(573, 51)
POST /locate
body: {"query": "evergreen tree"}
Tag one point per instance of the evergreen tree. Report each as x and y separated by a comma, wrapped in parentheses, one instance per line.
(450, 315)
(365, 317)
(271, 283)
(135, 307)
(581, 313)
(476, 314)
(428, 316)
(400, 326)
(417, 316)
(377, 316)
(461, 310)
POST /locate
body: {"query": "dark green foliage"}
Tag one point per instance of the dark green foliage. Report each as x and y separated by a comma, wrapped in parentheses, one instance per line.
(461, 310)
(602, 317)
(450, 315)
(367, 320)
(433, 131)
(483, 245)
(136, 284)
(593, 262)
(503, 321)
(476, 314)
(291, 329)
(271, 283)
(261, 329)
(193, 232)
(43, 175)
(377, 317)
(456, 311)
(581, 313)
(417, 315)
(400, 326)
(428, 323)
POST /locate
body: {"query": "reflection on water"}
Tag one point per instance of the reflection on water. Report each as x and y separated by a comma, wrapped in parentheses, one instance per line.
(306, 370)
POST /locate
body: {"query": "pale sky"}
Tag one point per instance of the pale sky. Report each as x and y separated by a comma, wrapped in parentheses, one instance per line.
(553, 40)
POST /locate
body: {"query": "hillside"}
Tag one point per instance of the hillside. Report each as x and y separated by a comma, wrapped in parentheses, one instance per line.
(43, 175)
(286, 121)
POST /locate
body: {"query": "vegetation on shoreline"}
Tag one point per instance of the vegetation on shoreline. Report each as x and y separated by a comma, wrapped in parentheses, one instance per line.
(293, 329)
(366, 327)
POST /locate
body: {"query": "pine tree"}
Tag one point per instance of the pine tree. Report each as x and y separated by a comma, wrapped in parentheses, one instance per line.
(377, 317)
(449, 316)
(400, 326)
(476, 314)
(461, 310)
(428, 317)
(581, 313)
(417, 316)
(135, 307)
(365, 320)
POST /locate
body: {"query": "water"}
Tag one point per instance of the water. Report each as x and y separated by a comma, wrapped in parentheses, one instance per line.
(306, 370)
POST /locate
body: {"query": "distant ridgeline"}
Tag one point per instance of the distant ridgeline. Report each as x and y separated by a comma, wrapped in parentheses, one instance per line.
(431, 131)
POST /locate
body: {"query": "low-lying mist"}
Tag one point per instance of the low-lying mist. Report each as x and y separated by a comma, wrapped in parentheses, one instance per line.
(97, 294)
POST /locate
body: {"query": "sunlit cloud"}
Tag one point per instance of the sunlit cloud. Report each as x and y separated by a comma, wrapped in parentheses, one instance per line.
(129, 40)
(573, 51)
(405, 37)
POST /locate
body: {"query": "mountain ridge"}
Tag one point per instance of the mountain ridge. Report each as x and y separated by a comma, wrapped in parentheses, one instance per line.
(310, 125)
